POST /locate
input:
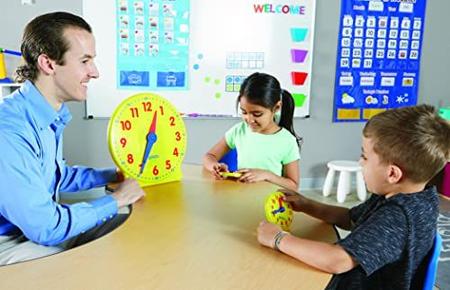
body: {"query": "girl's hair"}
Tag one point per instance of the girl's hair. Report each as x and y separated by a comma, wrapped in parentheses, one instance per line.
(264, 90)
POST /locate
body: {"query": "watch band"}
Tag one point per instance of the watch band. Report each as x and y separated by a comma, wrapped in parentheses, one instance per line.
(277, 239)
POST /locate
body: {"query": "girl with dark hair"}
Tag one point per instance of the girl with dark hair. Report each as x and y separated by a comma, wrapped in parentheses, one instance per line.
(267, 149)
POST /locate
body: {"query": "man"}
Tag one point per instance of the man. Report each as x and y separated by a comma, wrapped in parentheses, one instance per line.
(58, 50)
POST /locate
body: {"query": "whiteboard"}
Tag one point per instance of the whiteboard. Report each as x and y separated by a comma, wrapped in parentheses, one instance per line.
(227, 41)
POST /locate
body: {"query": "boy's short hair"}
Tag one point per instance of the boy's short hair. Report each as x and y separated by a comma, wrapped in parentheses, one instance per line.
(45, 35)
(415, 139)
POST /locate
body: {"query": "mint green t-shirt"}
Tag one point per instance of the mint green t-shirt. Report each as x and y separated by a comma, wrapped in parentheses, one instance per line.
(262, 151)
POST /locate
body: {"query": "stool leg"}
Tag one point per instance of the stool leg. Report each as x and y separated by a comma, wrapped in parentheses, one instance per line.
(343, 186)
(328, 183)
(360, 186)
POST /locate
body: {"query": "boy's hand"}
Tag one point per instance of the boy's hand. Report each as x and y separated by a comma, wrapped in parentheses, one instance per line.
(295, 199)
(266, 233)
(128, 192)
(253, 175)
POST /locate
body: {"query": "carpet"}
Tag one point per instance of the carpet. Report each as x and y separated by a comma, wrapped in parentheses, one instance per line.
(443, 272)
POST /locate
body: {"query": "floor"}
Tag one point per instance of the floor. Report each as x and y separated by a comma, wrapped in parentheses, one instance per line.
(352, 200)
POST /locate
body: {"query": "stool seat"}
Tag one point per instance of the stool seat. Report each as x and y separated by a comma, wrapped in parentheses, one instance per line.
(345, 168)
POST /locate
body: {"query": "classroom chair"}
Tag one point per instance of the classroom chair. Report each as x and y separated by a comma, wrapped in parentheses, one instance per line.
(431, 268)
(343, 188)
(230, 159)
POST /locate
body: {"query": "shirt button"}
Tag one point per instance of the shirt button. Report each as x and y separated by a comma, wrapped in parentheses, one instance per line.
(104, 220)
(111, 216)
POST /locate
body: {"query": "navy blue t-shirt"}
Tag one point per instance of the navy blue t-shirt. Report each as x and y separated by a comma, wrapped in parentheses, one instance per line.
(389, 239)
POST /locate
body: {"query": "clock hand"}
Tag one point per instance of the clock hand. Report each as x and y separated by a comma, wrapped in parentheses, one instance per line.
(151, 139)
(276, 211)
(280, 202)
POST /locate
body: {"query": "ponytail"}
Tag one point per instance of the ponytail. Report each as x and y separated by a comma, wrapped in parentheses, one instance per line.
(287, 115)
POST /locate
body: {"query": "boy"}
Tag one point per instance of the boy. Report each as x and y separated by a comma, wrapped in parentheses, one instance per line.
(392, 232)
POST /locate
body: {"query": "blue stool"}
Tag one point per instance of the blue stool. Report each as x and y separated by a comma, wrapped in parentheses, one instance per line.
(230, 159)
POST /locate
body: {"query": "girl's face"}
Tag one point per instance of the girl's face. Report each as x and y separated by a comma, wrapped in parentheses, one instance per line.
(259, 118)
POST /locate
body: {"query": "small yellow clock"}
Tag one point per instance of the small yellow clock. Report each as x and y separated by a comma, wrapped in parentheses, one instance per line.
(278, 211)
(147, 139)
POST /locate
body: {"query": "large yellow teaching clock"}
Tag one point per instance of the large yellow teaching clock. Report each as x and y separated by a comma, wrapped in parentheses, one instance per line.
(147, 139)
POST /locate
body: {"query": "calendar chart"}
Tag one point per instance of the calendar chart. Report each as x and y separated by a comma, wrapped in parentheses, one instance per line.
(378, 57)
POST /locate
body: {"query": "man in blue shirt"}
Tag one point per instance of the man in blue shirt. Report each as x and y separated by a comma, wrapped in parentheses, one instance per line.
(58, 50)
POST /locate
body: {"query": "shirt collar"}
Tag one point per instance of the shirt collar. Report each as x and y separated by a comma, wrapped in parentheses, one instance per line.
(43, 112)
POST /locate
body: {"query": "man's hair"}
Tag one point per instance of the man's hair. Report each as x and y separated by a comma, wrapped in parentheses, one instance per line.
(415, 139)
(45, 35)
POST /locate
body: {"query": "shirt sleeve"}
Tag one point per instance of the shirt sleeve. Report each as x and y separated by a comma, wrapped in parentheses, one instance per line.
(230, 135)
(379, 240)
(293, 153)
(27, 203)
(76, 178)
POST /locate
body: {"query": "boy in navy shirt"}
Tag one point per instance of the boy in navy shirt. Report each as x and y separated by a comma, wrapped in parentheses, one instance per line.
(392, 232)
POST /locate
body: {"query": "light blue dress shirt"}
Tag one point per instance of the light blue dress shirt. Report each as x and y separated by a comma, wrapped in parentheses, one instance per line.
(33, 173)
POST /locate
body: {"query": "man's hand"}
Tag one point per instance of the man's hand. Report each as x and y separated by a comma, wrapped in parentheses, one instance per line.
(119, 176)
(128, 192)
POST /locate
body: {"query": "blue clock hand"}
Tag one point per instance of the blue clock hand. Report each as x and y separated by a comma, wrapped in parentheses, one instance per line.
(276, 211)
(151, 139)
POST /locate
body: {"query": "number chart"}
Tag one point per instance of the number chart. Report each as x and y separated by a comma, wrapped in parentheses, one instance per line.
(378, 57)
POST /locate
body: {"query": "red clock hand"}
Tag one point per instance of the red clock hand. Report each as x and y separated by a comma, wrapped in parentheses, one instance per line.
(153, 124)
(280, 202)
(151, 139)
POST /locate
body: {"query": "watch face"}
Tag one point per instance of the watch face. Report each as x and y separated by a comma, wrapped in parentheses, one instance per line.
(278, 211)
(147, 138)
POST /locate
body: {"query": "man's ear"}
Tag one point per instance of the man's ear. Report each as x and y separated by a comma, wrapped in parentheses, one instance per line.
(395, 174)
(45, 64)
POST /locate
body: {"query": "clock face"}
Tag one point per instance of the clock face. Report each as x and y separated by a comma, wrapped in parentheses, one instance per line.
(278, 211)
(147, 139)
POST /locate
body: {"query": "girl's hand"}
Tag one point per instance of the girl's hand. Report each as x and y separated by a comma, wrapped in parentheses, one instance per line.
(266, 233)
(253, 175)
(218, 168)
(296, 200)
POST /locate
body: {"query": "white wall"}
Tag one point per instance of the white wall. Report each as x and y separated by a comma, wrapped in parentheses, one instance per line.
(85, 140)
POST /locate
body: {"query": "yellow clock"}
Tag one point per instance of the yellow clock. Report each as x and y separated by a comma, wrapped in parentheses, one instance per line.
(147, 139)
(278, 211)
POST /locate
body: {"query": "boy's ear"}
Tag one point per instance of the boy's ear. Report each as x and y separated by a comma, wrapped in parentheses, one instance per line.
(395, 174)
(45, 64)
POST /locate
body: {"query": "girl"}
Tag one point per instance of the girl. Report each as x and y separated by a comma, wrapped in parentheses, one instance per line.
(267, 150)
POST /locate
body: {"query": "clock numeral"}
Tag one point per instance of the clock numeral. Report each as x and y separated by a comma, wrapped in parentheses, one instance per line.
(155, 170)
(172, 121)
(161, 108)
(177, 136)
(126, 125)
(175, 151)
(130, 158)
(168, 165)
(134, 112)
(123, 141)
(147, 106)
